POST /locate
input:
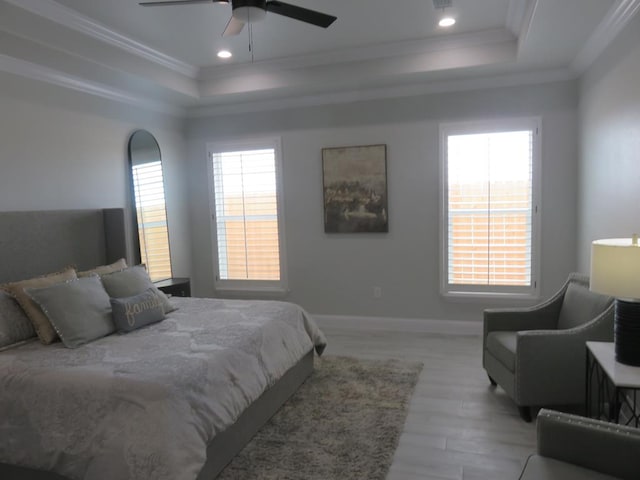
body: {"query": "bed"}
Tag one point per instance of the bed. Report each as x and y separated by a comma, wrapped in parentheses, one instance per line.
(174, 400)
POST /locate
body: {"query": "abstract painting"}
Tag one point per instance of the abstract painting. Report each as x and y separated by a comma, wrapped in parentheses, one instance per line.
(355, 189)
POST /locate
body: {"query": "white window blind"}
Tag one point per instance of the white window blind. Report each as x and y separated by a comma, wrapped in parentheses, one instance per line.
(489, 210)
(148, 187)
(246, 215)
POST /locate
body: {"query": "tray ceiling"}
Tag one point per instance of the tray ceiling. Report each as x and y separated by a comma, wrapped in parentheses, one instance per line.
(167, 55)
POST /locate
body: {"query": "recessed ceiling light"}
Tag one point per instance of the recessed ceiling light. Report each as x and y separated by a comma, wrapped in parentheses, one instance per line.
(224, 54)
(447, 21)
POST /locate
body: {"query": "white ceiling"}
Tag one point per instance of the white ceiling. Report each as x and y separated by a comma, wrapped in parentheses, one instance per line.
(192, 33)
(165, 57)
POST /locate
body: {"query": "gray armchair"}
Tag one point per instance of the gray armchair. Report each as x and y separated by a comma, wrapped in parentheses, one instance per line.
(537, 354)
(576, 448)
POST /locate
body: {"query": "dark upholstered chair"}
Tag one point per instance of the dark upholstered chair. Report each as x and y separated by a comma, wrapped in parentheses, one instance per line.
(577, 448)
(537, 354)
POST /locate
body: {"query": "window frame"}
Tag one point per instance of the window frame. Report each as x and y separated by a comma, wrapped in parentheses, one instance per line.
(475, 292)
(256, 286)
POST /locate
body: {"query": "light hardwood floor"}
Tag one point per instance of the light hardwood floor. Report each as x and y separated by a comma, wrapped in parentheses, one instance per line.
(458, 426)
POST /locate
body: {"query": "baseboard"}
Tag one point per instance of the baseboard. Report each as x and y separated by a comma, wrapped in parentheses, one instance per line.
(411, 325)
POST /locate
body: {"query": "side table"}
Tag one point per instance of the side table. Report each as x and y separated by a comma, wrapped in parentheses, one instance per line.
(177, 287)
(611, 386)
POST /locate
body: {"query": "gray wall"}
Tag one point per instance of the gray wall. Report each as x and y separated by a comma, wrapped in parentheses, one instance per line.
(66, 150)
(60, 149)
(609, 189)
(335, 274)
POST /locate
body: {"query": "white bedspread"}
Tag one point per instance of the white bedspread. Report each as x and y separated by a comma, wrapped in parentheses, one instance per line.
(144, 406)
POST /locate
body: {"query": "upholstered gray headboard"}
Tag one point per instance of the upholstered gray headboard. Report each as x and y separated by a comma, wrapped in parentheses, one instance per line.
(40, 242)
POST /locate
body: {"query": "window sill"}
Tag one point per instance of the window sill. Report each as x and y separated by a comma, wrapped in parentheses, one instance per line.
(494, 297)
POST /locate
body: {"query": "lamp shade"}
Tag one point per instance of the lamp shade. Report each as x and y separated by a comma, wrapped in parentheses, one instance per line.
(615, 267)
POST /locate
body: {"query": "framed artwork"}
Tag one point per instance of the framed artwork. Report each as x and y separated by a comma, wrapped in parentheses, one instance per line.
(355, 189)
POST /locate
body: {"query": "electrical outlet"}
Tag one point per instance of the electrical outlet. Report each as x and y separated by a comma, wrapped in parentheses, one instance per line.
(377, 292)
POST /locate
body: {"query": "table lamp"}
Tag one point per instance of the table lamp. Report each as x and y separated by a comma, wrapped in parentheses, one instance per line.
(615, 271)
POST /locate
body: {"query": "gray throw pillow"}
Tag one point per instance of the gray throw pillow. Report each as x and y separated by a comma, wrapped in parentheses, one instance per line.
(15, 326)
(79, 310)
(133, 281)
(137, 311)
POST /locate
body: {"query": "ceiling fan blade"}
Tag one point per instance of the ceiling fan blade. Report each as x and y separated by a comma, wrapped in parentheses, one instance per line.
(299, 13)
(234, 27)
(178, 2)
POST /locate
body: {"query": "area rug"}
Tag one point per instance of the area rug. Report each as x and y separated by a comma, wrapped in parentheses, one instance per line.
(343, 423)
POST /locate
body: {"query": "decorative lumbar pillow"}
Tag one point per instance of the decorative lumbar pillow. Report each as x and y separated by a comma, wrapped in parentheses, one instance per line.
(15, 326)
(137, 311)
(104, 269)
(39, 320)
(133, 281)
(79, 309)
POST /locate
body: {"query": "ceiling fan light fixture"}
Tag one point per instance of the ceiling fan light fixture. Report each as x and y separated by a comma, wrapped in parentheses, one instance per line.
(249, 14)
(251, 11)
(447, 22)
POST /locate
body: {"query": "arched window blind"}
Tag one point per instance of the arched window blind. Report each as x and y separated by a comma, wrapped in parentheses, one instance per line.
(148, 187)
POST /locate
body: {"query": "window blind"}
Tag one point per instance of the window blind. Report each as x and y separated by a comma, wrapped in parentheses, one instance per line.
(246, 215)
(148, 184)
(490, 188)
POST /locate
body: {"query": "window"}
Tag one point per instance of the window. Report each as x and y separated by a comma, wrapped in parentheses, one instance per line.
(489, 228)
(148, 186)
(247, 215)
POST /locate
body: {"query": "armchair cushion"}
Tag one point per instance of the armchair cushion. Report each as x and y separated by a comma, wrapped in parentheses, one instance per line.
(502, 345)
(580, 305)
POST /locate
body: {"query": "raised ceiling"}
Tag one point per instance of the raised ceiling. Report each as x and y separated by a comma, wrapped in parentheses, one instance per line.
(165, 57)
(192, 33)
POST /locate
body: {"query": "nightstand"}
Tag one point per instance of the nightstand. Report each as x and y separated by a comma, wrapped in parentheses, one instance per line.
(612, 388)
(177, 287)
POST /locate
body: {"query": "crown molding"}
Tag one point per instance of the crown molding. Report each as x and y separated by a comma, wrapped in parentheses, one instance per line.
(519, 17)
(69, 18)
(516, 12)
(348, 55)
(37, 72)
(527, 10)
(610, 27)
(445, 86)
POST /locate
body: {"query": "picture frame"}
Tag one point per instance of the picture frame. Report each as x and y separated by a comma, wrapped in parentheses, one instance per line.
(355, 189)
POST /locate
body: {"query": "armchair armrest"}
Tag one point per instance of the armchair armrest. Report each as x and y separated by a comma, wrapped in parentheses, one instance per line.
(550, 364)
(604, 447)
(516, 319)
(541, 316)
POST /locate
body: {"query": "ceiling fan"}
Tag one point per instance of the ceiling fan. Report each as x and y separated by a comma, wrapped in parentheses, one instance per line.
(250, 11)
